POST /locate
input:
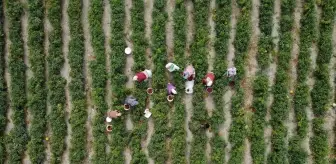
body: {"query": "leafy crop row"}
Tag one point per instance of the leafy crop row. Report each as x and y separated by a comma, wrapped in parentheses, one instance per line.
(237, 131)
(260, 84)
(37, 99)
(321, 97)
(307, 37)
(139, 50)
(118, 61)
(222, 21)
(199, 55)
(56, 83)
(178, 116)
(158, 147)
(77, 92)
(18, 136)
(99, 77)
(3, 89)
(280, 106)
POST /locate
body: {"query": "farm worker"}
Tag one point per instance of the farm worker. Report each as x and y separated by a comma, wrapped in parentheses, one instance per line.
(111, 115)
(143, 76)
(209, 79)
(189, 86)
(131, 101)
(231, 72)
(172, 67)
(189, 73)
(171, 89)
(147, 113)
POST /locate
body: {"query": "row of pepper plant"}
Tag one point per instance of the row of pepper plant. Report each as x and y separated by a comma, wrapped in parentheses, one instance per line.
(139, 50)
(3, 89)
(18, 136)
(308, 35)
(222, 19)
(238, 130)
(78, 113)
(37, 98)
(178, 134)
(199, 53)
(280, 106)
(321, 96)
(158, 146)
(261, 82)
(99, 77)
(118, 80)
(56, 83)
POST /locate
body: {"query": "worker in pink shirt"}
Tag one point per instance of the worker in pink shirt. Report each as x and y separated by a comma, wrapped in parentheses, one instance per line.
(111, 115)
(189, 73)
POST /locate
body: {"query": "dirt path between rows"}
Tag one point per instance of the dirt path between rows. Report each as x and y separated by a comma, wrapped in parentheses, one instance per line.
(29, 73)
(89, 55)
(331, 114)
(47, 30)
(170, 6)
(209, 102)
(251, 70)
(271, 74)
(229, 92)
(65, 72)
(148, 33)
(188, 97)
(128, 71)
(107, 34)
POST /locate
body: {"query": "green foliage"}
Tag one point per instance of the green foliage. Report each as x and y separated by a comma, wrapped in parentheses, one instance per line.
(237, 131)
(37, 98)
(56, 83)
(260, 84)
(139, 50)
(118, 79)
(3, 89)
(221, 17)
(178, 116)
(280, 107)
(158, 147)
(98, 70)
(18, 136)
(320, 93)
(78, 113)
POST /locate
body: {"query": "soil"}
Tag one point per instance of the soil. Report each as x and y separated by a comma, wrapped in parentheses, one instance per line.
(271, 75)
(188, 98)
(107, 34)
(65, 72)
(47, 30)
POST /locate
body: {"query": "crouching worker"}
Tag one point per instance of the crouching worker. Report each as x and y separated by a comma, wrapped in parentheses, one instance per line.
(209, 79)
(171, 89)
(143, 76)
(189, 73)
(172, 67)
(111, 115)
(130, 101)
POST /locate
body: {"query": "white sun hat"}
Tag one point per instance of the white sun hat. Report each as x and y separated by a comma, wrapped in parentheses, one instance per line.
(147, 113)
(108, 119)
(128, 50)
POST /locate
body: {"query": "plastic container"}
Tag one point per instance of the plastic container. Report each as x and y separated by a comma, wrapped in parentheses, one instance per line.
(126, 107)
(170, 98)
(209, 89)
(128, 50)
(150, 91)
(109, 128)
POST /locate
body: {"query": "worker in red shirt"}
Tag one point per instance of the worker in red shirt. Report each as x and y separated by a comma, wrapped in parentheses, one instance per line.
(209, 79)
(143, 76)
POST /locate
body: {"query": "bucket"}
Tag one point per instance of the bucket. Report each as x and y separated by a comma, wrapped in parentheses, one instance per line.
(126, 107)
(209, 89)
(128, 50)
(170, 98)
(150, 91)
(109, 128)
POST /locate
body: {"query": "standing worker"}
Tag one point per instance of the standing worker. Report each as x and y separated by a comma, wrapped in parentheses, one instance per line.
(111, 115)
(143, 76)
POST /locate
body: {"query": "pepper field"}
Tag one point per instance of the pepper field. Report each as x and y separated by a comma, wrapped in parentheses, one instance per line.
(63, 66)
